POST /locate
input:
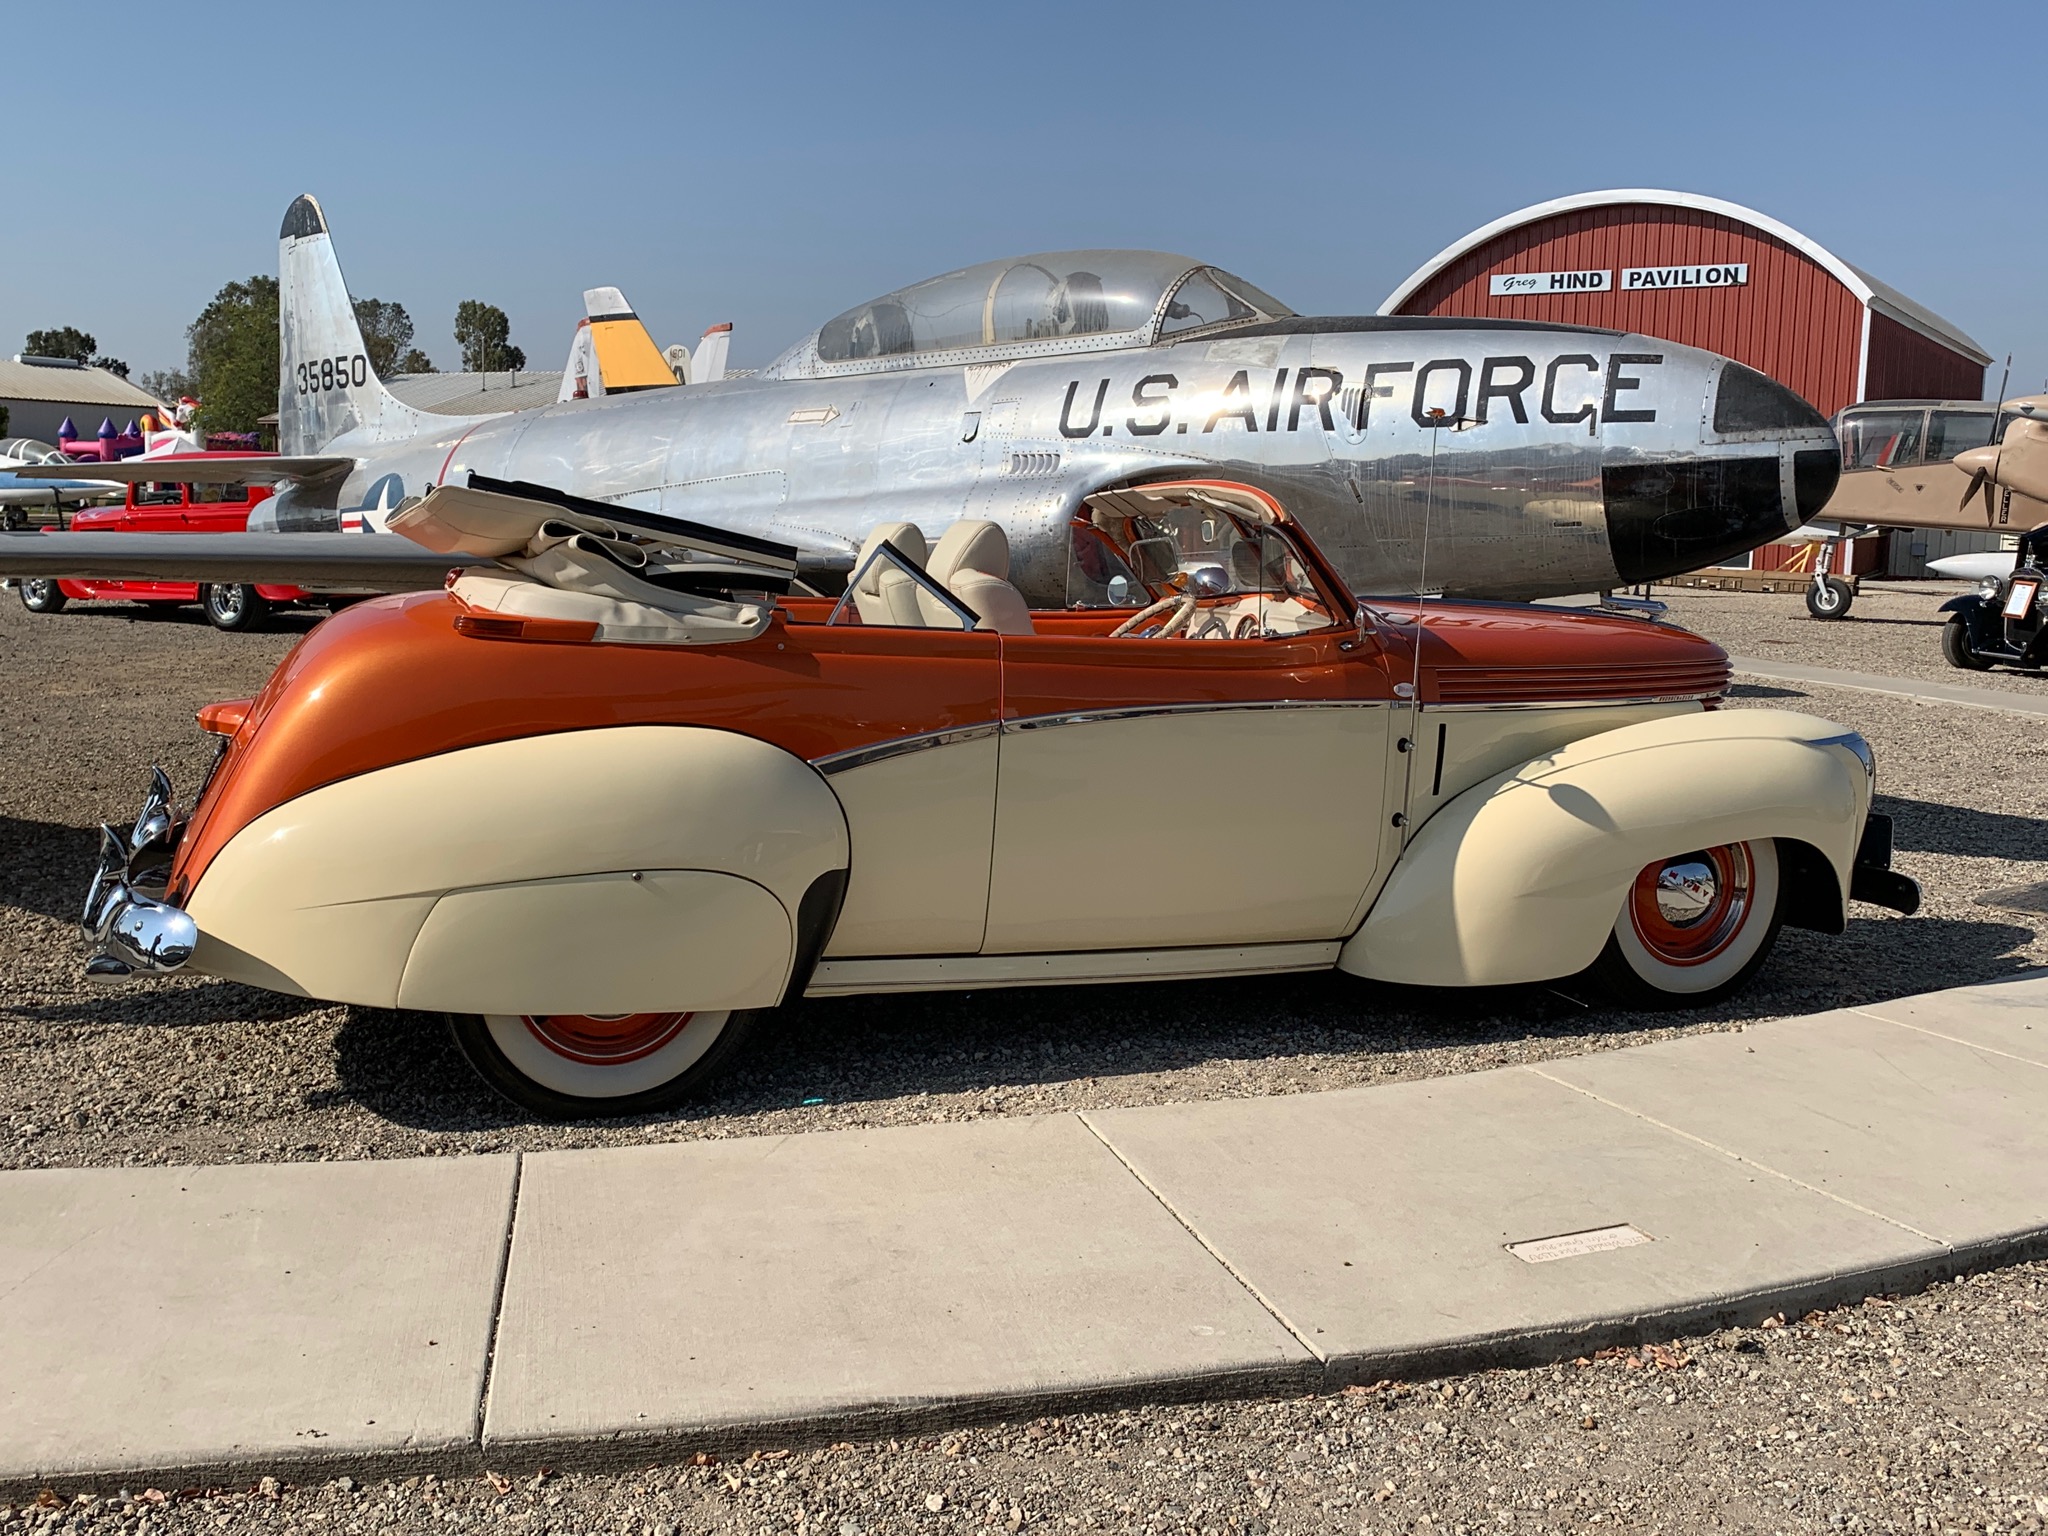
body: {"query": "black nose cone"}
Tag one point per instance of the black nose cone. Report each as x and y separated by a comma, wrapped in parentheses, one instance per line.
(1747, 401)
(1677, 515)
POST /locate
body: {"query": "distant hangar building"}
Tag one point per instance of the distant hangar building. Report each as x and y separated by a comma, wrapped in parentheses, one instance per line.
(1704, 273)
(1711, 274)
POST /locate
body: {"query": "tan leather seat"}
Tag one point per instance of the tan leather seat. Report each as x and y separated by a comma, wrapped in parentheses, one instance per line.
(883, 594)
(972, 561)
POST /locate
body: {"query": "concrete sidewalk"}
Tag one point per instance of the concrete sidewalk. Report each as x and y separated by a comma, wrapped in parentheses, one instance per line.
(193, 1325)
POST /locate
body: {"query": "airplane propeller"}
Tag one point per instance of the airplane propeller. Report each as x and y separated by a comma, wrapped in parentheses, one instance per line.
(1981, 464)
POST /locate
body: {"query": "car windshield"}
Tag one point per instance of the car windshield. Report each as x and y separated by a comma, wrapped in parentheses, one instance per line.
(1246, 574)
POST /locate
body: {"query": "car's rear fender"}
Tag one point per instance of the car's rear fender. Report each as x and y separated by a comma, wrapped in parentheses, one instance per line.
(617, 870)
(1522, 877)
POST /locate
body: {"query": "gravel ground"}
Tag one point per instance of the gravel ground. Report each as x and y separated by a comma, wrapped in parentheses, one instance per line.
(1894, 629)
(1915, 1414)
(1901, 1414)
(204, 1071)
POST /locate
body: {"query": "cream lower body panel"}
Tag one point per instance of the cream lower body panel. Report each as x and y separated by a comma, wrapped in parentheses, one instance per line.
(919, 826)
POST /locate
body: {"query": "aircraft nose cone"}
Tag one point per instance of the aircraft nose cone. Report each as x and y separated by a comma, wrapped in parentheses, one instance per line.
(1734, 493)
(1973, 461)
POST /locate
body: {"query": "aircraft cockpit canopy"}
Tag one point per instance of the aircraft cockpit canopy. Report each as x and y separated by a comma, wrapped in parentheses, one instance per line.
(29, 450)
(1063, 301)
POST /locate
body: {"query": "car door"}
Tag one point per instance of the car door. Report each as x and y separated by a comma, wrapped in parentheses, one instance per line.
(1165, 793)
(918, 783)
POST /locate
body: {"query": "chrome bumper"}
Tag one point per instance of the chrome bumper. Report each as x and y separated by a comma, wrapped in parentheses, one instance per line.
(127, 929)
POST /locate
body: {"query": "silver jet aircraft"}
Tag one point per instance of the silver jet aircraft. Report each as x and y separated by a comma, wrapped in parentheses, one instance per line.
(1471, 457)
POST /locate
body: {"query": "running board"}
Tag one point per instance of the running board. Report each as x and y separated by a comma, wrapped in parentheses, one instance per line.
(947, 973)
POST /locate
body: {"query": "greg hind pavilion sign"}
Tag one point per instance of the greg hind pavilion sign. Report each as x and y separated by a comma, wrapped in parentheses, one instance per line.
(1727, 274)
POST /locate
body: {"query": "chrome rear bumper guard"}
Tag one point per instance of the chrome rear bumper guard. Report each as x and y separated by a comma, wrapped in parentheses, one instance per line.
(127, 929)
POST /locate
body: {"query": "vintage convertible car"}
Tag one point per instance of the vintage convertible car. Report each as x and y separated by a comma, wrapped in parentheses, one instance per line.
(607, 800)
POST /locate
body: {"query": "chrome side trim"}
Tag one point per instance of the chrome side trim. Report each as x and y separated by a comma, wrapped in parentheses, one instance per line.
(1140, 711)
(945, 973)
(1657, 698)
(860, 757)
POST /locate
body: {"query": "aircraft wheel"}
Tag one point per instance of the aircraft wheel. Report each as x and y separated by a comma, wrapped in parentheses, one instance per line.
(584, 1066)
(1829, 598)
(232, 606)
(1955, 647)
(41, 595)
(1693, 928)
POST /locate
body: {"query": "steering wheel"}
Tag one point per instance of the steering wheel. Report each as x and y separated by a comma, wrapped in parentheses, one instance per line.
(1182, 602)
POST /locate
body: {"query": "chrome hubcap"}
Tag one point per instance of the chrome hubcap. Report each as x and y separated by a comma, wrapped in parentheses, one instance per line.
(1686, 892)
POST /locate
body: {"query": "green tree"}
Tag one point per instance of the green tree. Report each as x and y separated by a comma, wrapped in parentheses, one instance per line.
(66, 341)
(416, 361)
(485, 336)
(234, 356)
(113, 365)
(167, 384)
(387, 335)
(3, 421)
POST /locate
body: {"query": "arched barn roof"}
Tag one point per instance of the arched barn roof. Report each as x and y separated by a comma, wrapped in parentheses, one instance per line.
(1879, 297)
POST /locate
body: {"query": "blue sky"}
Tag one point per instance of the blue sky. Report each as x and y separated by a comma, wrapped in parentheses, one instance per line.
(774, 164)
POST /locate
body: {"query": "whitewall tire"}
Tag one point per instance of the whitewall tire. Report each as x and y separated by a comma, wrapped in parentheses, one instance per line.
(575, 1066)
(1694, 927)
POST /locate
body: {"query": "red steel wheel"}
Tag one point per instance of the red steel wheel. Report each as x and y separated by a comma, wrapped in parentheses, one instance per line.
(1693, 927)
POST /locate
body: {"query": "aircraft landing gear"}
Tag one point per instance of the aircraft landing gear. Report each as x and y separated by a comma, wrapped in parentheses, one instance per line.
(1829, 597)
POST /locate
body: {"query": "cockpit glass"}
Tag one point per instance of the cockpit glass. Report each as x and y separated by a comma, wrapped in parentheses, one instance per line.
(1201, 301)
(1064, 294)
(1880, 439)
(29, 450)
(1950, 432)
(1212, 297)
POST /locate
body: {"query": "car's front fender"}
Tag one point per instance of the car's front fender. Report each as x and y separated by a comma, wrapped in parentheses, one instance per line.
(1521, 877)
(1969, 603)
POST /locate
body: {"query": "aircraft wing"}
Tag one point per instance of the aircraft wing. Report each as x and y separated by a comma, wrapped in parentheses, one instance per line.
(255, 469)
(321, 562)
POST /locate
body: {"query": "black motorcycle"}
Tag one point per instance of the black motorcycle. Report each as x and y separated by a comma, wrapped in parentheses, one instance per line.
(2001, 623)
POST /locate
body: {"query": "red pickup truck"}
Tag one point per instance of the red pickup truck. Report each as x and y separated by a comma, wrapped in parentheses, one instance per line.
(171, 506)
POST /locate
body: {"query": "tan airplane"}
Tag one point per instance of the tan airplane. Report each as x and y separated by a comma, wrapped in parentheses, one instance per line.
(1903, 467)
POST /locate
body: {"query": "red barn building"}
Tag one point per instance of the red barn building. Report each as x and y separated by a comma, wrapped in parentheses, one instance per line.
(1704, 273)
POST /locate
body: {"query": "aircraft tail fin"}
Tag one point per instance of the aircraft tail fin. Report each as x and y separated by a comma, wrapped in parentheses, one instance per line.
(708, 366)
(611, 353)
(326, 385)
(627, 358)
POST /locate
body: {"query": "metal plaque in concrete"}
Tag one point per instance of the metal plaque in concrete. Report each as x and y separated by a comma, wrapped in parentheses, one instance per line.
(194, 1318)
(2007, 1016)
(853, 1277)
(1941, 1136)
(1382, 1223)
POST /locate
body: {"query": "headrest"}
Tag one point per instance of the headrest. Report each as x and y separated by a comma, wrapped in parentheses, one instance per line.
(907, 537)
(972, 544)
